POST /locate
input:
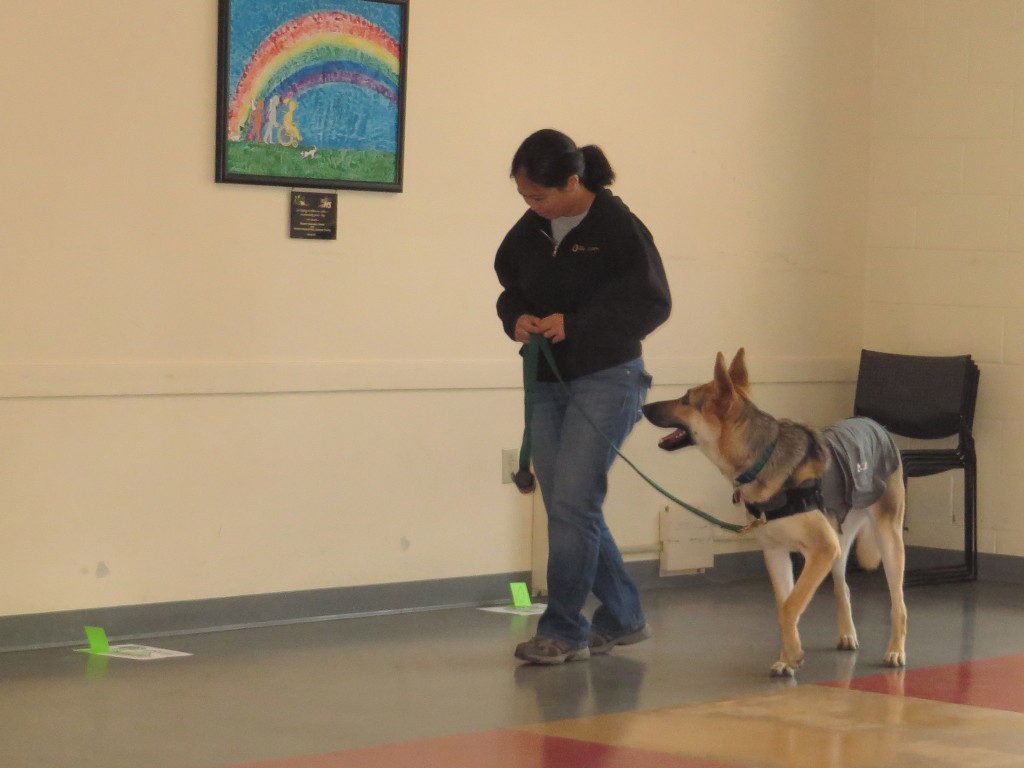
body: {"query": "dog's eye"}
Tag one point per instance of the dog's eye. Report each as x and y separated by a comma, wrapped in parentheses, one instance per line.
(688, 401)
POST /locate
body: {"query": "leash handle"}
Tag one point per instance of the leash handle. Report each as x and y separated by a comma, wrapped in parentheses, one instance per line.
(524, 479)
(540, 344)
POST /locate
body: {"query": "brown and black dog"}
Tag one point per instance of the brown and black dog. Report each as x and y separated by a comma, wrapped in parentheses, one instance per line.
(809, 491)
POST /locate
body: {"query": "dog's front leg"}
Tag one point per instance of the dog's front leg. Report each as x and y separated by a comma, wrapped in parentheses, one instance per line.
(817, 564)
(780, 571)
(818, 560)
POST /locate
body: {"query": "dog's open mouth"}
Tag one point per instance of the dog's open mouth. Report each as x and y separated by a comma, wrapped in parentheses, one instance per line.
(678, 439)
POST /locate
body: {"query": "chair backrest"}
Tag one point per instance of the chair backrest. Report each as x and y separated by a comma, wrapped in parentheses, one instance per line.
(918, 396)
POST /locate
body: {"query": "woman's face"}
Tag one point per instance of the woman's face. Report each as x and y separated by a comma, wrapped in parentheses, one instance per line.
(551, 202)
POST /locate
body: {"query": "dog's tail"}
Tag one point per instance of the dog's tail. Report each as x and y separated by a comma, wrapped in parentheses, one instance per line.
(868, 554)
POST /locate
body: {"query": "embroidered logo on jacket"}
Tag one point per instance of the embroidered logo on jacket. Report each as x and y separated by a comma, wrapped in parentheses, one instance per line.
(580, 248)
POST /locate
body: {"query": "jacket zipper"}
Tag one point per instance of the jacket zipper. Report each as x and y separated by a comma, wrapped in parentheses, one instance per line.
(554, 243)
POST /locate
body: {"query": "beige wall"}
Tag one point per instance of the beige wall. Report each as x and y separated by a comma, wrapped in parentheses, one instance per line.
(194, 405)
(946, 231)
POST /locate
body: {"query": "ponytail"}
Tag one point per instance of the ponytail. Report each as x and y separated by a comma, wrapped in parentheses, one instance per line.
(550, 158)
(597, 171)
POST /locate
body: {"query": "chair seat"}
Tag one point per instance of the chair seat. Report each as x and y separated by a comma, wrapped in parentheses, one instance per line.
(920, 463)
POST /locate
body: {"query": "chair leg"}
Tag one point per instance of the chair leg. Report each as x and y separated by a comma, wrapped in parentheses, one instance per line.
(971, 521)
(968, 571)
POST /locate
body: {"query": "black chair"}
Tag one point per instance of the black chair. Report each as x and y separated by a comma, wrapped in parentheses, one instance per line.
(928, 398)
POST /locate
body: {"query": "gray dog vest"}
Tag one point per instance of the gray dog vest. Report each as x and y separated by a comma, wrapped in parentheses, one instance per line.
(863, 457)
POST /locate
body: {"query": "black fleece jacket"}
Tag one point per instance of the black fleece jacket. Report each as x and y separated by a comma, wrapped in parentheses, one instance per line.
(605, 277)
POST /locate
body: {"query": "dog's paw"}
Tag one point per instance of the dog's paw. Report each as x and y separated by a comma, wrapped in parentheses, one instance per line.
(782, 669)
(895, 659)
(847, 643)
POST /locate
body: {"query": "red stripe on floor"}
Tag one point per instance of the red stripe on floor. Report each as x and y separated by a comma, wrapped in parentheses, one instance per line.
(493, 749)
(992, 683)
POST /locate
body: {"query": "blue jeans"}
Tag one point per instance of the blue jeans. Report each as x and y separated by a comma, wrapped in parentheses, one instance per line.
(572, 461)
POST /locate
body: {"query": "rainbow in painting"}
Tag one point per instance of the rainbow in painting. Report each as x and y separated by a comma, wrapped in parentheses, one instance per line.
(310, 82)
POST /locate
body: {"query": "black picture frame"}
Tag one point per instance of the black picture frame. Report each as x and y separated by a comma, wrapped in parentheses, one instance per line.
(311, 93)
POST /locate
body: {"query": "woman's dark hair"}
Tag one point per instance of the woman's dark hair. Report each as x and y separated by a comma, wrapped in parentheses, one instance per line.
(549, 158)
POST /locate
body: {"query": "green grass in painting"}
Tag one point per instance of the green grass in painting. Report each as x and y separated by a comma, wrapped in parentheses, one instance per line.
(335, 164)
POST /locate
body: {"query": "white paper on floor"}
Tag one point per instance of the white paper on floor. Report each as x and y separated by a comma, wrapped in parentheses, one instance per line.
(525, 610)
(136, 652)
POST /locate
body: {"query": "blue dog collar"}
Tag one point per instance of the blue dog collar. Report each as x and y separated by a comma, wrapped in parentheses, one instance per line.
(751, 474)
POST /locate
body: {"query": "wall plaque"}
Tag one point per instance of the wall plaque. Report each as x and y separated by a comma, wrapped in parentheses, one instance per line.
(314, 215)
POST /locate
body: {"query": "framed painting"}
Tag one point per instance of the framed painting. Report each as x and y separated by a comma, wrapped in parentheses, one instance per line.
(311, 93)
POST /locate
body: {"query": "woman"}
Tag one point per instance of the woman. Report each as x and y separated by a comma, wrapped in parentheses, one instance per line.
(581, 270)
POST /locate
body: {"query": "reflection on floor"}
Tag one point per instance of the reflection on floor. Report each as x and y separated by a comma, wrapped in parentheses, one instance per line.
(442, 689)
(802, 727)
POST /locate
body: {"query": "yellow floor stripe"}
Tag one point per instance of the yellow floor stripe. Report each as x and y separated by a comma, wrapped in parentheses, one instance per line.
(816, 727)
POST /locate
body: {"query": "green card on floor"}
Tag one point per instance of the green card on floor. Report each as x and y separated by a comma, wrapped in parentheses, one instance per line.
(520, 594)
(97, 638)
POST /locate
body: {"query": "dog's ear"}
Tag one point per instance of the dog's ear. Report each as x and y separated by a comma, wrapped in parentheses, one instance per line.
(738, 370)
(723, 380)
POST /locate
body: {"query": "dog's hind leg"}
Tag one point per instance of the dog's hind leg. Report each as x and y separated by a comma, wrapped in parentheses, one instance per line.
(844, 613)
(887, 524)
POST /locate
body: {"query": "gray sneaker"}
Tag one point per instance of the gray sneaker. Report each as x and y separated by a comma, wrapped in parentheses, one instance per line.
(604, 643)
(547, 650)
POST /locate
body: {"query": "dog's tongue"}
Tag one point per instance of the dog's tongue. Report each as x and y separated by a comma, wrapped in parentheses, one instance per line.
(678, 439)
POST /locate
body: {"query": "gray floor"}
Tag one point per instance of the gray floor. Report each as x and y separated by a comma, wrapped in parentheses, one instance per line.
(278, 692)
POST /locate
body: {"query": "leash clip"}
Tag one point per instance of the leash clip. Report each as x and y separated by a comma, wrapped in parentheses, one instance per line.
(757, 522)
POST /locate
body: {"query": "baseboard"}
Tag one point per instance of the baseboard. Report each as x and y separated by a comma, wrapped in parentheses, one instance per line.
(1002, 568)
(138, 622)
(997, 568)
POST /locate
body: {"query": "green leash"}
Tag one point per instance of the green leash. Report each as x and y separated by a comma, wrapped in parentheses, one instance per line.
(524, 479)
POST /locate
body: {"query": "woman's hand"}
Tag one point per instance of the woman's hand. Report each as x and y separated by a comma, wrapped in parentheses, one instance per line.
(551, 327)
(526, 325)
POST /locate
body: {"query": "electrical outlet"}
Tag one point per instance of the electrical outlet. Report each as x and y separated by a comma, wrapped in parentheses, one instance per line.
(509, 464)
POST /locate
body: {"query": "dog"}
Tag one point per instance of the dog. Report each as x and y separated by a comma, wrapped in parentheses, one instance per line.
(810, 491)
